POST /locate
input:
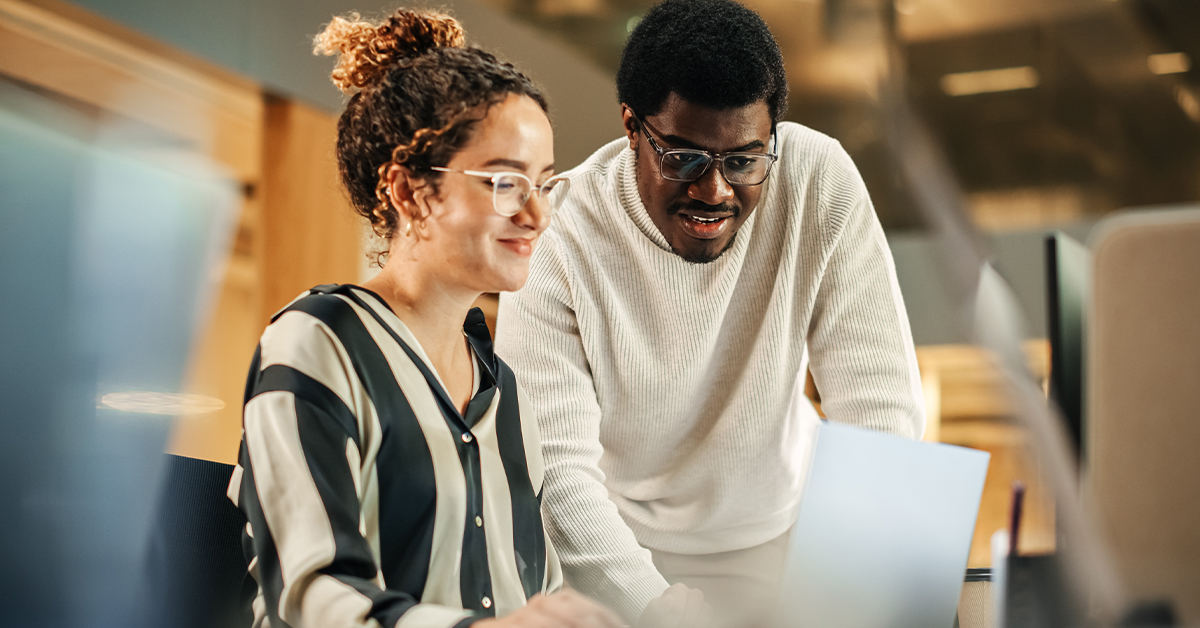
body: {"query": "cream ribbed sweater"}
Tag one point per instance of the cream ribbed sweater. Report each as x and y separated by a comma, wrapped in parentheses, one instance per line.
(670, 394)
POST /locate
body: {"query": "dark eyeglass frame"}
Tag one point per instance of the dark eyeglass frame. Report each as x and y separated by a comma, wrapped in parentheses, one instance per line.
(711, 157)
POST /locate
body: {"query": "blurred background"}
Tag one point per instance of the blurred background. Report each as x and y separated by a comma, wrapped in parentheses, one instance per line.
(167, 182)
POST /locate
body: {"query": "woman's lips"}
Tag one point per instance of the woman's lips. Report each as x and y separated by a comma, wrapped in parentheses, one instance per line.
(520, 246)
(703, 227)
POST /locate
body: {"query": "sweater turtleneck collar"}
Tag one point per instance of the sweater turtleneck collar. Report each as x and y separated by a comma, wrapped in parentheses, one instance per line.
(631, 199)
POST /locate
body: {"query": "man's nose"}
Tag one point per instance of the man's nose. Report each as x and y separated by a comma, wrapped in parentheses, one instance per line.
(711, 188)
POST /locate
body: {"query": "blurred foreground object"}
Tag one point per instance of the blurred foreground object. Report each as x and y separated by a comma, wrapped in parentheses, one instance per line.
(117, 210)
(1143, 402)
(984, 304)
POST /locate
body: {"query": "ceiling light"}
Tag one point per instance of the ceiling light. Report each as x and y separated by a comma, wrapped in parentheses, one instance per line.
(1169, 63)
(173, 404)
(1188, 103)
(986, 81)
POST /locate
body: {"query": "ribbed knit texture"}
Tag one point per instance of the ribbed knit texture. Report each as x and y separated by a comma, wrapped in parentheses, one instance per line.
(670, 394)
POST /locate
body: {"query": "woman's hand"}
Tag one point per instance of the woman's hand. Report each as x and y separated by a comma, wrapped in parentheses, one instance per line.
(678, 607)
(565, 609)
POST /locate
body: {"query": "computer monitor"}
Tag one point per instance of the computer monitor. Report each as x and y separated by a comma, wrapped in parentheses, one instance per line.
(1068, 274)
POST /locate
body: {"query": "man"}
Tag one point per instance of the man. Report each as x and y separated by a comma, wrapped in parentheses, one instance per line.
(672, 310)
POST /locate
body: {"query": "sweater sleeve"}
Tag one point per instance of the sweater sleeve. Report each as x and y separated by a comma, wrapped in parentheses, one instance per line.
(859, 340)
(538, 335)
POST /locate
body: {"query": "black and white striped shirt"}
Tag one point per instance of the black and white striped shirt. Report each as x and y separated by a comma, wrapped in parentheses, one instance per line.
(371, 500)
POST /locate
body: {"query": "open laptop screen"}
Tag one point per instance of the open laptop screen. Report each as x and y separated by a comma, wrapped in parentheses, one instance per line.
(883, 532)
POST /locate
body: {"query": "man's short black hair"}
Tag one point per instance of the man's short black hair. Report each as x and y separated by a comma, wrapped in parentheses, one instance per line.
(715, 53)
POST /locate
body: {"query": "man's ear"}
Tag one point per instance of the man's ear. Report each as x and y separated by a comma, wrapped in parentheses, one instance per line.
(630, 122)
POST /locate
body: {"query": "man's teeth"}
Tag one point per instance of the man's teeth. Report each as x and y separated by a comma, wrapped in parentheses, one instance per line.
(705, 220)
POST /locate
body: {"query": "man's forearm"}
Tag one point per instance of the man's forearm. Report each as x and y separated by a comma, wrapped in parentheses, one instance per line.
(599, 553)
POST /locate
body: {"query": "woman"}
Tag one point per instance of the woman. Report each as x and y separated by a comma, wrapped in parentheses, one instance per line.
(385, 468)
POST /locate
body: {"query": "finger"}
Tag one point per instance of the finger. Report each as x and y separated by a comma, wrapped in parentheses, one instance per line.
(604, 617)
(610, 618)
(530, 617)
(659, 614)
(592, 614)
(695, 610)
(565, 608)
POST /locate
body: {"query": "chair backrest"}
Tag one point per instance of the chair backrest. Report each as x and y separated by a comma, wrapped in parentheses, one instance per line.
(1142, 476)
(1068, 274)
(196, 565)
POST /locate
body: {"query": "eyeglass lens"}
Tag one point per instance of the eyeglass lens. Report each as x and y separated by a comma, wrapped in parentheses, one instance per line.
(738, 169)
(511, 193)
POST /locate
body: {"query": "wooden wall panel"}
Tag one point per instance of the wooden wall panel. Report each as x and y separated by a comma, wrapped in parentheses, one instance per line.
(298, 232)
(311, 236)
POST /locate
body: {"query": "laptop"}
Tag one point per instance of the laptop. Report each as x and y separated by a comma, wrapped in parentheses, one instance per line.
(883, 532)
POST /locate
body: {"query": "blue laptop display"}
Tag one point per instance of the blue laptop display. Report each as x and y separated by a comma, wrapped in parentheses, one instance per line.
(883, 532)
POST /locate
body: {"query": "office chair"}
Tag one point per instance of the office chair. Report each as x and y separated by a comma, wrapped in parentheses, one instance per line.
(196, 566)
(1068, 275)
(1142, 477)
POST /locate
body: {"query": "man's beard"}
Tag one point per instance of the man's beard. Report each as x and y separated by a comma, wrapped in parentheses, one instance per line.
(704, 257)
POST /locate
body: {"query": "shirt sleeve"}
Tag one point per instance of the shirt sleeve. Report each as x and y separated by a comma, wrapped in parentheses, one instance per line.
(859, 340)
(300, 477)
(537, 333)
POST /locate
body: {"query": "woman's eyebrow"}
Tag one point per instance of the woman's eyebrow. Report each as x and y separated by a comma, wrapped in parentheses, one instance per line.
(511, 163)
(519, 166)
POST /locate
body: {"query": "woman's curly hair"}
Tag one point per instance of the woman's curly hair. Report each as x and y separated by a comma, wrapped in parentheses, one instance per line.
(416, 93)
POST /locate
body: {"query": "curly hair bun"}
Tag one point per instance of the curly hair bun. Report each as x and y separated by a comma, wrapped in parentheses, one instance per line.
(367, 50)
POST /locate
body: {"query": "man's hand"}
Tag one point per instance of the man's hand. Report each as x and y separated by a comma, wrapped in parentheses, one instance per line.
(565, 609)
(678, 607)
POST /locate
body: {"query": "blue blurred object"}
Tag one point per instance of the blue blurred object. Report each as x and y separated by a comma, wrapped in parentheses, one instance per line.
(110, 237)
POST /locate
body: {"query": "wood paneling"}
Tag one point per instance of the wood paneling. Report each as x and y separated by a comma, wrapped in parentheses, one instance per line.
(311, 234)
(302, 233)
(216, 114)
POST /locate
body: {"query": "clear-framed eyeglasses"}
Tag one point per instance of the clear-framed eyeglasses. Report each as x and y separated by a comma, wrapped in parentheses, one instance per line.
(689, 164)
(511, 190)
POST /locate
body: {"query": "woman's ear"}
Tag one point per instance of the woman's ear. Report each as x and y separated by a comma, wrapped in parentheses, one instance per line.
(407, 193)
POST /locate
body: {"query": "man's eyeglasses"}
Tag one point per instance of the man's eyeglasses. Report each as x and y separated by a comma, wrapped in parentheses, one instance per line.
(511, 190)
(688, 164)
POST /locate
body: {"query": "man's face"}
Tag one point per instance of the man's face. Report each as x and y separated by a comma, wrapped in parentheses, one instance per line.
(684, 212)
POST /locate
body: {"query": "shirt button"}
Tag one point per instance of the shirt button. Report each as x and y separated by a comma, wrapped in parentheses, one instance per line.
(487, 602)
(466, 437)
(478, 522)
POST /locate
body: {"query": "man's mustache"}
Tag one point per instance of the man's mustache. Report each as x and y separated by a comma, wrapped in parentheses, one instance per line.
(696, 206)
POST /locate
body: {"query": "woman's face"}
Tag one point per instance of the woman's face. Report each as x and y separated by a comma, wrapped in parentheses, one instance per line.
(464, 240)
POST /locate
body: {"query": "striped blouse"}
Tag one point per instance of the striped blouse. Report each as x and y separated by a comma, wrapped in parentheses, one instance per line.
(371, 500)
